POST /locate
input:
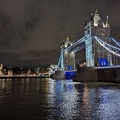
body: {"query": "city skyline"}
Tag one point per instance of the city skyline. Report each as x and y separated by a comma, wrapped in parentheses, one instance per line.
(31, 31)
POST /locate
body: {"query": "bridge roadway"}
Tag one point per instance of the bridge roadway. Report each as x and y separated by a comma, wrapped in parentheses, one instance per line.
(107, 67)
(23, 76)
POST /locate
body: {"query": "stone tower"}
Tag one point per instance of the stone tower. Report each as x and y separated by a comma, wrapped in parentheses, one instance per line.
(68, 57)
(96, 55)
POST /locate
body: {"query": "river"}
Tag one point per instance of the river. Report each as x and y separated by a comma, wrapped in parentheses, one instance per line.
(48, 99)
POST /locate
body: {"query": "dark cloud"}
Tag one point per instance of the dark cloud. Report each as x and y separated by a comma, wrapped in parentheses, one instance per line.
(32, 58)
(31, 30)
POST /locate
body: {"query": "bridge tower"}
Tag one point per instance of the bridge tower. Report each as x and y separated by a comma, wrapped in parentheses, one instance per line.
(96, 55)
(67, 57)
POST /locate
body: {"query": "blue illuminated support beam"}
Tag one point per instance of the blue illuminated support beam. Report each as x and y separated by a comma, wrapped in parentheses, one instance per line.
(59, 61)
(88, 47)
(89, 51)
(62, 63)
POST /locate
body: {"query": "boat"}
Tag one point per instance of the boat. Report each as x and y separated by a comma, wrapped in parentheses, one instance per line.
(58, 75)
(63, 74)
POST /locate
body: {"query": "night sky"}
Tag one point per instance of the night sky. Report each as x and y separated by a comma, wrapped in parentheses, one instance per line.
(31, 31)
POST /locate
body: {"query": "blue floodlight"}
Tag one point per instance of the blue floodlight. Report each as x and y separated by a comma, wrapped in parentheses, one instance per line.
(69, 67)
(70, 74)
(103, 61)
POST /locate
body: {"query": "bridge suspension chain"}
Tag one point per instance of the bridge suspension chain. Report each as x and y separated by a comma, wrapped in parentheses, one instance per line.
(107, 44)
(102, 43)
(116, 42)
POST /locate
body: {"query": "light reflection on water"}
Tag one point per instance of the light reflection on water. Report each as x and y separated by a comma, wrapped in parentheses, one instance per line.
(47, 99)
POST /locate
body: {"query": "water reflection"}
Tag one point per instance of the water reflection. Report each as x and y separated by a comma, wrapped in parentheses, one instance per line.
(109, 102)
(62, 98)
(49, 99)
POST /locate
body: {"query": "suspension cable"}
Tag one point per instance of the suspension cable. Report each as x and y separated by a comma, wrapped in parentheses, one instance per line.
(116, 42)
(107, 48)
(107, 43)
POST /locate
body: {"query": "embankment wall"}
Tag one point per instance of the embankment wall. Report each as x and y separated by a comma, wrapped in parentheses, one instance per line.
(89, 74)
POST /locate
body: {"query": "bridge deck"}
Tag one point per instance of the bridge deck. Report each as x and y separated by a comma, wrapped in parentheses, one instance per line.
(107, 67)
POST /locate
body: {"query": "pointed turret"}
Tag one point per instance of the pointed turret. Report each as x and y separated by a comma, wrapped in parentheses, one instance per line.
(86, 24)
(96, 11)
(67, 42)
(107, 22)
(91, 18)
(67, 38)
(96, 18)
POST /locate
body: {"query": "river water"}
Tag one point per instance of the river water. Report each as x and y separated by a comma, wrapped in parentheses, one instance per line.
(47, 99)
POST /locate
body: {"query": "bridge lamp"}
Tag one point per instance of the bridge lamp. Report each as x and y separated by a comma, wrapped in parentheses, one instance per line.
(84, 63)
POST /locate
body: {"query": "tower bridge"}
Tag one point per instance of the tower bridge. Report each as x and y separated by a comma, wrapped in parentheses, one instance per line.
(101, 50)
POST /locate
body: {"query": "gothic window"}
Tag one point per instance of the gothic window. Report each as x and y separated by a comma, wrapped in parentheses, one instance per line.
(100, 23)
(71, 55)
(101, 32)
(65, 55)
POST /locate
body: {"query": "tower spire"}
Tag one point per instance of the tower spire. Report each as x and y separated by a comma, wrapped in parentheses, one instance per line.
(96, 11)
(107, 22)
(67, 38)
(91, 19)
(96, 18)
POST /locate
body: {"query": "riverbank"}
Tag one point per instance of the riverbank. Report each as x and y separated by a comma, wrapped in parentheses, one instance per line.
(19, 76)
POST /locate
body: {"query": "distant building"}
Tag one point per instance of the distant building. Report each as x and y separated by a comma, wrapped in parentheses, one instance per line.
(68, 57)
(1, 68)
(10, 72)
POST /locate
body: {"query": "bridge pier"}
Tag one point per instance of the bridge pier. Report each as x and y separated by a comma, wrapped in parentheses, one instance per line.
(86, 74)
(89, 74)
